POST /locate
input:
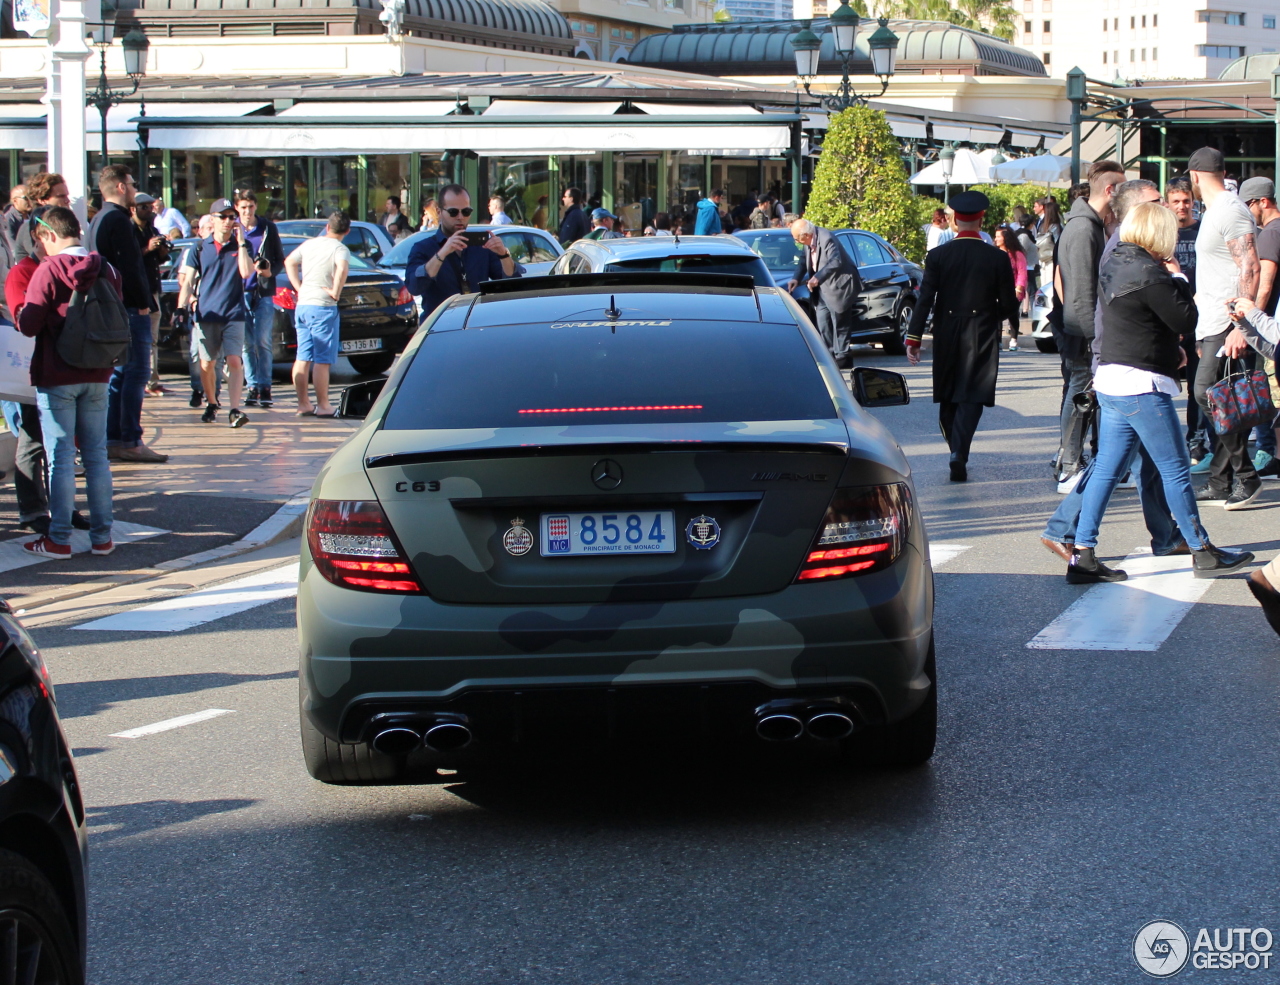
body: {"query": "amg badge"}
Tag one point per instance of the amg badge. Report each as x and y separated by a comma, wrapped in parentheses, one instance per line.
(703, 532)
(518, 540)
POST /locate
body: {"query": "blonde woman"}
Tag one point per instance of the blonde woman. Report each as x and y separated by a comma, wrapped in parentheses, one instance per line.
(1146, 308)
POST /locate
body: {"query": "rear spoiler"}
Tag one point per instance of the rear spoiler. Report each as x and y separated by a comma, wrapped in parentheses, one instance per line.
(617, 279)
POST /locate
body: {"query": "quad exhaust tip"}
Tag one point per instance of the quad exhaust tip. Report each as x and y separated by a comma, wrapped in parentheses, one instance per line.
(397, 741)
(828, 725)
(779, 727)
(447, 737)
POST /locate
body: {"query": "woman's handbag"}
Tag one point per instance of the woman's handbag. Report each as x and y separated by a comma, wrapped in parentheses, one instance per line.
(1240, 401)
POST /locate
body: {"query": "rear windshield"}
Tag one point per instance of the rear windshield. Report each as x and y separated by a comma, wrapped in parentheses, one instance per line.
(573, 374)
(709, 264)
(778, 250)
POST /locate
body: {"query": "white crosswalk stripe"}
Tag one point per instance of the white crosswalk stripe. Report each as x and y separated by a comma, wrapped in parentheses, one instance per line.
(172, 723)
(940, 554)
(173, 615)
(1138, 614)
(12, 556)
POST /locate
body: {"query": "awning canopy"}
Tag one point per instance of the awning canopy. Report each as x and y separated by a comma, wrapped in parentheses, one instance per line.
(621, 134)
(405, 109)
(547, 107)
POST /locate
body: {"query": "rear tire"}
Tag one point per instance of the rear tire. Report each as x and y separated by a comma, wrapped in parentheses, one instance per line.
(32, 917)
(345, 763)
(896, 344)
(372, 364)
(906, 743)
(1047, 345)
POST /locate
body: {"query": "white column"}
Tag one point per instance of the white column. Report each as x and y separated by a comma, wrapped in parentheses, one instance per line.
(72, 52)
(53, 92)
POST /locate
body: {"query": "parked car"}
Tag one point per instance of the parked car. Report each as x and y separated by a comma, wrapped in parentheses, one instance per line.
(366, 240)
(664, 518)
(686, 254)
(1041, 330)
(378, 316)
(534, 249)
(43, 835)
(890, 282)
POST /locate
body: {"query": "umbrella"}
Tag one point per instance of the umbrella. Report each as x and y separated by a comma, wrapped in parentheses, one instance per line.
(968, 168)
(1040, 169)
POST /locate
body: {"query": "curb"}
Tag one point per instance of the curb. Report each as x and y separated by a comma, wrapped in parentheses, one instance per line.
(284, 524)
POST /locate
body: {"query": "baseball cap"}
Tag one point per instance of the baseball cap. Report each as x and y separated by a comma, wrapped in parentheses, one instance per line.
(1257, 188)
(1207, 159)
(220, 206)
(602, 214)
(142, 198)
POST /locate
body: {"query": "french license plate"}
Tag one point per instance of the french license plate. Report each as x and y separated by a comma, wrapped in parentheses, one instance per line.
(360, 345)
(624, 532)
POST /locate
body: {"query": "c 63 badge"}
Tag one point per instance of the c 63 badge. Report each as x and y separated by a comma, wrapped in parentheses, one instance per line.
(518, 540)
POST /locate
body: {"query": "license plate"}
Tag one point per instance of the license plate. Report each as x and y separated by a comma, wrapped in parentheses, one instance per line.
(624, 532)
(360, 345)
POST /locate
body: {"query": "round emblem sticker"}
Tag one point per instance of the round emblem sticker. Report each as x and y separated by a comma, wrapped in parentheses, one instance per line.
(1161, 949)
(518, 540)
(703, 532)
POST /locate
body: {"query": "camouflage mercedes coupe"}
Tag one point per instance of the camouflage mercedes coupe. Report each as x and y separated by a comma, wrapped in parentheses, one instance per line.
(592, 510)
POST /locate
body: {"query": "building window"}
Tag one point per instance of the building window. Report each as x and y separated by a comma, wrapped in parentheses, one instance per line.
(1133, 23)
(1144, 20)
(1236, 20)
(1026, 27)
(1115, 23)
(575, 25)
(615, 32)
(629, 35)
(1115, 58)
(1144, 54)
(1104, 58)
(1132, 52)
(1220, 50)
(1155, 20)
(1269, 23)
(1046, 7)
(591, 29)
(1105, 25)
(1046, 57)
(1027, 6)
(1154, 55)
(1047, 28)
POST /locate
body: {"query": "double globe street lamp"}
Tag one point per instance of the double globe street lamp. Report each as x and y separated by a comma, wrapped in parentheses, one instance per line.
(882, 45)
(135, 45)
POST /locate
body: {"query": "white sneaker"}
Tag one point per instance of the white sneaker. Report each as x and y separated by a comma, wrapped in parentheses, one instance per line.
(1067, 484)
(1013, 345)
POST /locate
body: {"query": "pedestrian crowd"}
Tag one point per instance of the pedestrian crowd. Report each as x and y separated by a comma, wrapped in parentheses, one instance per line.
(1148, 287)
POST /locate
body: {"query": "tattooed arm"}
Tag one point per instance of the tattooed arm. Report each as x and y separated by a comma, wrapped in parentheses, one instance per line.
(1244, 252)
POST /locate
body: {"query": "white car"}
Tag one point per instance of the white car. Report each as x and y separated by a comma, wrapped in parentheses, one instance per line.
(1041, 330)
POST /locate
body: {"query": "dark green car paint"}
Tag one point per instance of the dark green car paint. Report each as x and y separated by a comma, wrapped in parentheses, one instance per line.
(732, 614)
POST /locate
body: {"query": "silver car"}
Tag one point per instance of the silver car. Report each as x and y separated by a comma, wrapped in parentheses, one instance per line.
(534, 249)
(687, 254)
(366, 240)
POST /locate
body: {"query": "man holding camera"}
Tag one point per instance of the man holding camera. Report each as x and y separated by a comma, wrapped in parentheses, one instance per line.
(259, 293)
(454, 261)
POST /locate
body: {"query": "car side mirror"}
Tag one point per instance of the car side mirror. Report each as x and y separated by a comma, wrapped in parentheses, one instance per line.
(375, 253)
(358, 399)
(879, 387)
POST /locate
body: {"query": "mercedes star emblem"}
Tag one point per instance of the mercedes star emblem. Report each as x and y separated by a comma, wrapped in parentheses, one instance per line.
(606, 474)
(359, 299)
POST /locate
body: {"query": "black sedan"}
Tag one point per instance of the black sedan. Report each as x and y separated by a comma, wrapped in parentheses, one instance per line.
(890, 282)
(42, 824)
(377, 312)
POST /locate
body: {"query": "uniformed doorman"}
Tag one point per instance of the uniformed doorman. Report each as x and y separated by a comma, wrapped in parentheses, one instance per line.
(968, 286)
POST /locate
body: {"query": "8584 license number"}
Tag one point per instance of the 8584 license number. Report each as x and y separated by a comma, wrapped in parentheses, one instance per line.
(635, 532)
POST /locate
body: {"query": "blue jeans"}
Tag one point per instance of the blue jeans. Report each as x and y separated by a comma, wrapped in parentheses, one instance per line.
(257, 340)
(128, 385)
(1152, 420)
(1155, 511)
(71, 414)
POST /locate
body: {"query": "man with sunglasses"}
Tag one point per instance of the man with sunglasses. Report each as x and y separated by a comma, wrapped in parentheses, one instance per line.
(445, 264)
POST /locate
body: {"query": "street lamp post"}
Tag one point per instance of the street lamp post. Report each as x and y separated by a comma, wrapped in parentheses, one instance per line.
(135, 45)
(947, 157)
(882, 45)
(1077, 92)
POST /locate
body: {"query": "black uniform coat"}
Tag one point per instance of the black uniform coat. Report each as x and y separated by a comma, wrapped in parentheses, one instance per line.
(968, 286)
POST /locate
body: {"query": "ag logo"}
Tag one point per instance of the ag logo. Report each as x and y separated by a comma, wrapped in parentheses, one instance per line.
(1161, 949)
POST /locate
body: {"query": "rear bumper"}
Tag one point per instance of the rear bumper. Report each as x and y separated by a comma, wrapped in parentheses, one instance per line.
(363, 652)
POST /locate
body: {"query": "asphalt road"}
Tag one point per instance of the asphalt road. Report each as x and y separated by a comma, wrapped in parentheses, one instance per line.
(1076, 794)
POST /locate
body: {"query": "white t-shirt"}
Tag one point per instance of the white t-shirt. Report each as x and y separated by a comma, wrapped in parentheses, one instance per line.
(1114, 380)
(1217, 276)
(319, 256)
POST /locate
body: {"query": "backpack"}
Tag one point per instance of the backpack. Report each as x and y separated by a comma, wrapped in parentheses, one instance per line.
(759, 218)
(96, 332)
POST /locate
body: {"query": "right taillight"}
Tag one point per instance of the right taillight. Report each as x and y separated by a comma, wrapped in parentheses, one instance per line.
(286, 298)
(352, 546)
(864, 530)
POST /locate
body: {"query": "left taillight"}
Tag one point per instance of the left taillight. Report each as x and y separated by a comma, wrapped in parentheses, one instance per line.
(286, 298)
(865, 530)
(352, 546)
(404, 297)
